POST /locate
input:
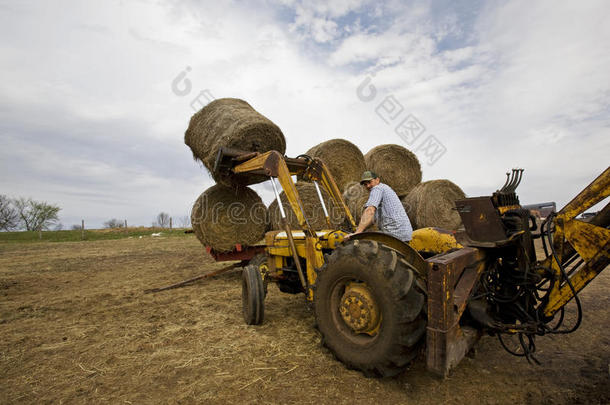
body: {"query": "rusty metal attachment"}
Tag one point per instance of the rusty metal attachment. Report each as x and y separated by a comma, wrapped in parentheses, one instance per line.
(506, 196)
(451, 280)
(194, 279)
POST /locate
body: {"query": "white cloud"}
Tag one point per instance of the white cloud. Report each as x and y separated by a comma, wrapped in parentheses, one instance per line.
(527, 87)
(317, 19)
(387, 47)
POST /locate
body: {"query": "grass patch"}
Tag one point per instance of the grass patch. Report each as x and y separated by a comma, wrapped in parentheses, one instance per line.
(90, 234)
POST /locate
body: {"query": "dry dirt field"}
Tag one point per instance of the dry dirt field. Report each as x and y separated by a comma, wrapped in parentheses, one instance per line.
(77, 328)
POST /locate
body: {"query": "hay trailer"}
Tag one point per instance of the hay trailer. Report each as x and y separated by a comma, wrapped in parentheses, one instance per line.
(378, 301)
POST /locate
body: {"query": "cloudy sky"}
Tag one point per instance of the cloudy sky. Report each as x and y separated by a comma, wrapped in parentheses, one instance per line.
(95, 96)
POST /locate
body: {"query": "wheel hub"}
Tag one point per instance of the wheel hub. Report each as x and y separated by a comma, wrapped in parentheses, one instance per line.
(359, 309)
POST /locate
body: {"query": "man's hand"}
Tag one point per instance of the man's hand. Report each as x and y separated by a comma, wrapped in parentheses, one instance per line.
(368, 216)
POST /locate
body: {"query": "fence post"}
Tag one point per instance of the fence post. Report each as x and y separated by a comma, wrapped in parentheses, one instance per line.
(82, 230)
(170, 223)
(126, 231)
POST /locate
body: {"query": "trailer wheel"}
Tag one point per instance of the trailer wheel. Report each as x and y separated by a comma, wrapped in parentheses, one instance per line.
(252, 295)
(368, 309)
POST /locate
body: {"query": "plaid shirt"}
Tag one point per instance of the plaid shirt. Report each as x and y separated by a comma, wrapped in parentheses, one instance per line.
(391, 215)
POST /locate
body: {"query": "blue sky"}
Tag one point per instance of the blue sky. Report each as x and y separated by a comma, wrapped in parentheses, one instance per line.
(89, 121)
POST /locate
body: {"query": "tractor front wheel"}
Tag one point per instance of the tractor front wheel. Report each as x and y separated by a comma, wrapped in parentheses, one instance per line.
(252, 295)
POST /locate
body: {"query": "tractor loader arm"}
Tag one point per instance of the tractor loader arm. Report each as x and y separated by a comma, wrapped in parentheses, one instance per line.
(318, 171)
(590, 241)
(242, 165)
(273, 164)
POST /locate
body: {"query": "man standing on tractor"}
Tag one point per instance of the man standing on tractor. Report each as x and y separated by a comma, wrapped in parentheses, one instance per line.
(383, 202)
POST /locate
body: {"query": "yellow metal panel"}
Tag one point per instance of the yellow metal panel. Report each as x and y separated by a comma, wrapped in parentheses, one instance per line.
(255, 163)
(280, 262)
(561, 296)
(285, 250)
(591, 242)
(433, 240)
(503, 210)
(588, 240)
(591, 195)
(292, 195)
(315, 260)
(280, 251)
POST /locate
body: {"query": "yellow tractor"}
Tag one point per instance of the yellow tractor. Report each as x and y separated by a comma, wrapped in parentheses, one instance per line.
(378, 301)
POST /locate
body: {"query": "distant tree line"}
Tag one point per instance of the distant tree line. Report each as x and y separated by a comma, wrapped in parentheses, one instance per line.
(25, 213)
(163, 220)
(114, 223)
(30, 215)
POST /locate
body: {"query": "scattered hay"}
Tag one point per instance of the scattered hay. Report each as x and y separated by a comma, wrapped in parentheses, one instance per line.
(344, 160)
(396, 166)
(312, 207)
(224, 216)
(431, 204)
(232, 123)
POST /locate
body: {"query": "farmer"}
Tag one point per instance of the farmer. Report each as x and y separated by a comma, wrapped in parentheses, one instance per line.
(383, 201)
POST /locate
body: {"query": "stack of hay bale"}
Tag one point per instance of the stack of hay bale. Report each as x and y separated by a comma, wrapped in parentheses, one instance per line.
(432, 204)
(428, 204)
(227, 214)
(346, 164)
(343, 159)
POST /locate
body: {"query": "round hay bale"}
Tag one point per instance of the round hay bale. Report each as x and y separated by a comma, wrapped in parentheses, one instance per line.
(431, 204)
(312, 207)
(232, 123)
(225, 216)
(196, 212)
(343, 159)
(396, 166)
(355, 196)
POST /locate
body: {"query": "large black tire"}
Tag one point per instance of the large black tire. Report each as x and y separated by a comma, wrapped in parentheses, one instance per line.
(400, 303)
(252, 296)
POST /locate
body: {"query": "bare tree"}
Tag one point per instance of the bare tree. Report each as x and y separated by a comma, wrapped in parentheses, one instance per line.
(113, 223)
(184, 221)
(76, 227)
(162, 220)
(36, 215)
(8, 215)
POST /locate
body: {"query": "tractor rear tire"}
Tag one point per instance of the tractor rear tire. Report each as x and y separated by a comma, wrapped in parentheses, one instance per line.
(252, 295)
(391, 288)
